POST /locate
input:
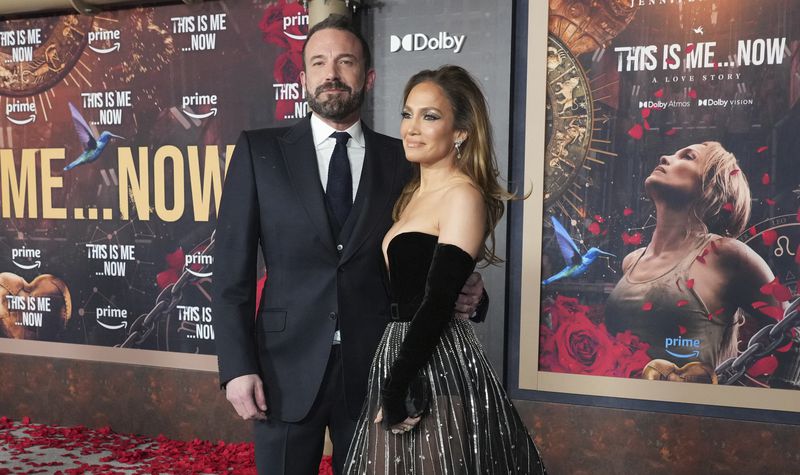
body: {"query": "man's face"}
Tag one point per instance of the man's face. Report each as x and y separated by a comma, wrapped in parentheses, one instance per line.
(335, 78)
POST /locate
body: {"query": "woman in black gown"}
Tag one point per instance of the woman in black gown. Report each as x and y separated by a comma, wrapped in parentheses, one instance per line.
(434, 404)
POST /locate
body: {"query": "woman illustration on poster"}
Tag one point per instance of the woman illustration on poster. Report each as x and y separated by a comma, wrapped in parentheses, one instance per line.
(685, 293)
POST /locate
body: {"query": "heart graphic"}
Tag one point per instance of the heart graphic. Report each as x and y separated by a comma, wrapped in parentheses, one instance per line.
(694, 372)
(38, 310)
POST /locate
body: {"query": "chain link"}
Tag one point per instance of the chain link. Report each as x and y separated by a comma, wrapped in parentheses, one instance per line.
(763, 343)
(167, 300)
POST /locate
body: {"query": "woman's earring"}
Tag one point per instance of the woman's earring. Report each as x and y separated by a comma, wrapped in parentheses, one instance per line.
(458, 149)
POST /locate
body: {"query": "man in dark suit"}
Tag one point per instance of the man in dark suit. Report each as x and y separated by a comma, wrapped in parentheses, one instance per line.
(301, 364)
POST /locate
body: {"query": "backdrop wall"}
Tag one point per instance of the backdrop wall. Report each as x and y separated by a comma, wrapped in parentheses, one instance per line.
(72, 373)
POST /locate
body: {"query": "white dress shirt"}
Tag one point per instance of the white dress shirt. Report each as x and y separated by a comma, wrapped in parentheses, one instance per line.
(324, 143)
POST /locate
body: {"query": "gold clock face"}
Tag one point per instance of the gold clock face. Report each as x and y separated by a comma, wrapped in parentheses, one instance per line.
(569, 122)
(40, 52)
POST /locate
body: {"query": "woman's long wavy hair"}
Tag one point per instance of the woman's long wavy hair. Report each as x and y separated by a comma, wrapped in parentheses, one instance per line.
(477, 160)
(724, 204)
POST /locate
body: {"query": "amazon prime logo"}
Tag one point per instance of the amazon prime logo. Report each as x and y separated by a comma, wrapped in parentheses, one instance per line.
(682, 347)
(33, 256)
(109, 37)
(292, 24)
(112, 318)
(196, 264)
(208, 102)
(28, 108)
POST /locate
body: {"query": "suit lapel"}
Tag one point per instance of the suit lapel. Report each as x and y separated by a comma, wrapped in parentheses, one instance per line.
(301, 162)
(373, 197)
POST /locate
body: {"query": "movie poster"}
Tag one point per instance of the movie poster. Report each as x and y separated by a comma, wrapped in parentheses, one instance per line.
(670, 232)
(114, 140)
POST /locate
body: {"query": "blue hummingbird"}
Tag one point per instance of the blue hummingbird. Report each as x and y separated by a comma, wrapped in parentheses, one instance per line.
(92, 147)
(577, 264)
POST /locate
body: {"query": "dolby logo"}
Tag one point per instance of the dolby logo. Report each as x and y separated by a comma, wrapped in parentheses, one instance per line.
(652, 104)
(712, 102)
(422, 42)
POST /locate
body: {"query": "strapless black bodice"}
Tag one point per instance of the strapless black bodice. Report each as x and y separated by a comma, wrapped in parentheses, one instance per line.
(409, 255)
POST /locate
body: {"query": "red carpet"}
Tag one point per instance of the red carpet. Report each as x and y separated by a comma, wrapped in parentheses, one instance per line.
(27, 448)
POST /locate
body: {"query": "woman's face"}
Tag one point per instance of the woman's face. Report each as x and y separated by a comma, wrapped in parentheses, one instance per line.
(427, 125)
(679, 175)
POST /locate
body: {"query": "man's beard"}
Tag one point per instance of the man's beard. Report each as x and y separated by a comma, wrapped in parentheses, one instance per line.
(337, 107)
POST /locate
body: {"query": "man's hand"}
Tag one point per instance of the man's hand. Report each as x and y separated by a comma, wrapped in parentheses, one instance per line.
(469, 297)
(398, 429)
(246, 395)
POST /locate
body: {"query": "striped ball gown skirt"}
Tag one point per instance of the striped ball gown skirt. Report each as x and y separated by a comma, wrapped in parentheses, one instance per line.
(471, 427)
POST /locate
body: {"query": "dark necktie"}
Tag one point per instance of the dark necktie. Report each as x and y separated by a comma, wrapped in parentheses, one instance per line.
(340, 179)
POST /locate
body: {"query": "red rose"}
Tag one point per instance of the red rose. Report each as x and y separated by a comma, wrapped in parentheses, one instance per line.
(547, 347)
(584, 348)
(287, 67)
(634, 357)
(272, 24)
(563, 309)
(574, 343)
(631, 341)
(174, 268)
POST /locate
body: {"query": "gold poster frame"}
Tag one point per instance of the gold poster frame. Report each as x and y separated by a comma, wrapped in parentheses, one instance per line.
(103, 354)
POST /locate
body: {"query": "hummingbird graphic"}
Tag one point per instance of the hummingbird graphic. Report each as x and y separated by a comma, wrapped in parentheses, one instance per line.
(577, 264)
(92, 147)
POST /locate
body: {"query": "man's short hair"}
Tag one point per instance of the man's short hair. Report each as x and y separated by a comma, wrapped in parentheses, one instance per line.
(340, 22)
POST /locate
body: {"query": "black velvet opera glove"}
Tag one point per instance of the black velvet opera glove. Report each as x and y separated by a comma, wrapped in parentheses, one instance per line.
(449, 270)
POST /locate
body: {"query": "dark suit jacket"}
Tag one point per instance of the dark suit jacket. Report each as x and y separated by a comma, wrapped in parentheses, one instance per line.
(273, 197)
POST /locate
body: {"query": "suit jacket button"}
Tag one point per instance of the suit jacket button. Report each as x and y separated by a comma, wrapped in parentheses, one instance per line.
(339, 247)
(332, 315)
